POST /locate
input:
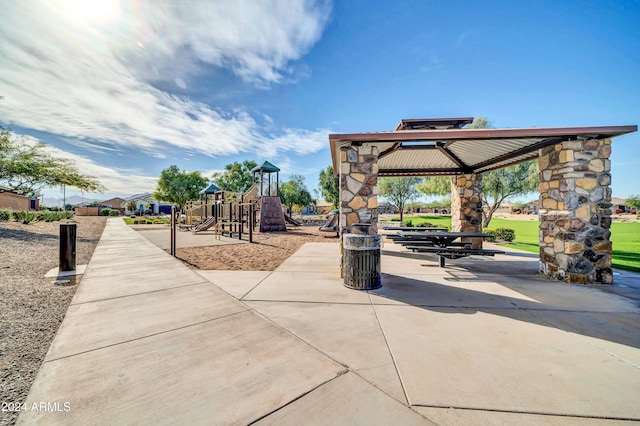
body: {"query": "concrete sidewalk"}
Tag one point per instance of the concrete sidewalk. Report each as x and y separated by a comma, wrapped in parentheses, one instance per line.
(483, 341)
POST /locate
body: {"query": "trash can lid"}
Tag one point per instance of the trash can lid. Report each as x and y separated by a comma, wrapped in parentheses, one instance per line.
(361, 242)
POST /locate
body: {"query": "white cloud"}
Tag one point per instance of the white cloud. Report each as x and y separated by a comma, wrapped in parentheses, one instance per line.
(117, 181)
(98, 82)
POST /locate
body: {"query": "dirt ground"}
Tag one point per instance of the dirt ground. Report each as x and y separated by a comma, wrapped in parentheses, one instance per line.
(266, 253)
(32, 306)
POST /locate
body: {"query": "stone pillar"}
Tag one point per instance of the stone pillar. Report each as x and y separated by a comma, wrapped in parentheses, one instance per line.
(358, 190)
(466, 206)
(575, 211)
(358, 187)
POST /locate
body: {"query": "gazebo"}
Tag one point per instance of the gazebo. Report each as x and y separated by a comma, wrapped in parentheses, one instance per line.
(575, 174)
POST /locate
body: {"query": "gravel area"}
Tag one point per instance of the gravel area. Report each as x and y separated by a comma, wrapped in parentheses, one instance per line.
(32, 306)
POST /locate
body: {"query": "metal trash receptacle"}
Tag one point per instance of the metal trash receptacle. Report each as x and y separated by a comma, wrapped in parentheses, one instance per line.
(361, 261)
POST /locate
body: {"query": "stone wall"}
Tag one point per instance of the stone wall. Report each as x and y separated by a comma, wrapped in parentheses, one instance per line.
(575, 211)
(358, 187)
(466, 206)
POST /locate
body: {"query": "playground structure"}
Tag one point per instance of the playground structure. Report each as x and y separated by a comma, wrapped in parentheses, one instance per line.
(333, 223)
(234, 213)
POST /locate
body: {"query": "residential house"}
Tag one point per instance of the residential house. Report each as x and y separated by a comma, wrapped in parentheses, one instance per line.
(12, 199)
(146, 204)
(387, 208)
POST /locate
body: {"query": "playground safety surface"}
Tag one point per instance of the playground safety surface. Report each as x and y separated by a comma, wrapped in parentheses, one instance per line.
(483, 341)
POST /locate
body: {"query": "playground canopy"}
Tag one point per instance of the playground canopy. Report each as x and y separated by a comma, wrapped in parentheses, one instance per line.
(211, 189)
(420, 147)
(265, 167)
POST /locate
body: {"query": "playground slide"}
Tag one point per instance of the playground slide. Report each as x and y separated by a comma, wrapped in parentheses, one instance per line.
(291, 220)
(332, 224)
(205, 225)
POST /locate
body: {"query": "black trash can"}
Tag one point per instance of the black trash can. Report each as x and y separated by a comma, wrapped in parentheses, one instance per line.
(361, 261)
(67, 247)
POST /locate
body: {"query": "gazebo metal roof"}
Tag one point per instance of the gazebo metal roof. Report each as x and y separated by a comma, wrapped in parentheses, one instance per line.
(434, 150)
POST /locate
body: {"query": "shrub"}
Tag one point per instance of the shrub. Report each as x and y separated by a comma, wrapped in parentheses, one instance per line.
(503, 234)
(105, 212)
(46, 216)
(395, 219)
(426, 225)
(5, 215)
(114, 213)
(27, 216)
(408, 223)
(68, 215)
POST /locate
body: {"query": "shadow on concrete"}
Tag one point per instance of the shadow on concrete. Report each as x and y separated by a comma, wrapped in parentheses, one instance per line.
(546, 309)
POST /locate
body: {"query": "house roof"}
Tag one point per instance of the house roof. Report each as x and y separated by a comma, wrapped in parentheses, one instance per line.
(451, 151)
(144, 196)
(8, 189)
(266, 167)
(113, 202)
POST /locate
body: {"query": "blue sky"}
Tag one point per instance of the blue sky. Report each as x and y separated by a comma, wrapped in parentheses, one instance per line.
(127, 89)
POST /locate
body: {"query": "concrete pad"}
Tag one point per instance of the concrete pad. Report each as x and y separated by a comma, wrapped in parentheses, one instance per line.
(394, 262)
(562, 296)
(505, 360)
(328, 249)
(236, 283)
(318, 263)
(434, 291)
(130, 282)
(56, 273)
(464, 417)
(613, 332)
(345, 400)
(306, 287)
(350, 334)
(228, 371)
(116, 268)
(94, 325)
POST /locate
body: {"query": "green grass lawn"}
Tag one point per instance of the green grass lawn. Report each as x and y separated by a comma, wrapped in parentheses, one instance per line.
(624, 236)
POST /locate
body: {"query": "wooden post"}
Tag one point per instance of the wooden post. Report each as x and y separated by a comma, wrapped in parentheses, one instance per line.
(250, 219)
(239, 219)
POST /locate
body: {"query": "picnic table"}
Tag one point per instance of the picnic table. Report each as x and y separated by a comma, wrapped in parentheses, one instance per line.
(414, 228)
(443, 244)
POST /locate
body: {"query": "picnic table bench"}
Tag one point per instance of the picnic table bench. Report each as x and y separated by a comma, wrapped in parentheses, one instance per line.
(453, 252)
(443, 244)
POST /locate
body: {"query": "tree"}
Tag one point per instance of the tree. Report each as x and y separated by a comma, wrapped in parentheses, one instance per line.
(178, 187)
(295, 192)
(399, 190)
(633, 202)
(330, 186)
(28, 168)
(498, 185)
(236, 177)
(131, 205)
(435, 185)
